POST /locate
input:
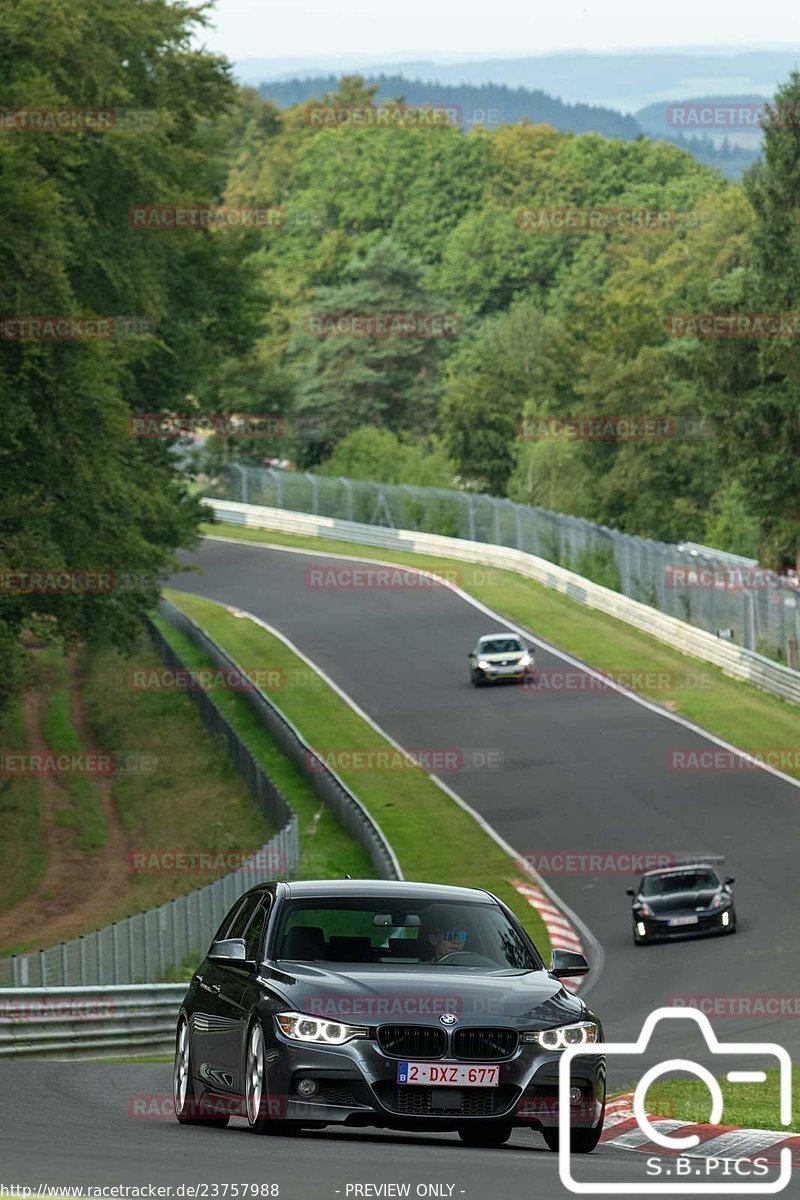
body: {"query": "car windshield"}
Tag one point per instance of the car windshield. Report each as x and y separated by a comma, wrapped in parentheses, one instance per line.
(466, 936)
(500, 646)
(680, 881)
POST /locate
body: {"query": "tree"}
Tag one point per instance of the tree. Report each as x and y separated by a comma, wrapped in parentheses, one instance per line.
(77, 492)
(489, 381)
(387, 379)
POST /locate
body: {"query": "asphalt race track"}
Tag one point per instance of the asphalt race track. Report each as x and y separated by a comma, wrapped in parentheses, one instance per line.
(582, 772)
(72, 1124)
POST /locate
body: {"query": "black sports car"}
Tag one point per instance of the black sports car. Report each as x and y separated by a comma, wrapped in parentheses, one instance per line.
(685, 901)
(401, 1005)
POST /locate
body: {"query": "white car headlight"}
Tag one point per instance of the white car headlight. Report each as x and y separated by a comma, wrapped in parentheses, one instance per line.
(483, 664)
(526, 660)
(564, 1036)
(300, 1027)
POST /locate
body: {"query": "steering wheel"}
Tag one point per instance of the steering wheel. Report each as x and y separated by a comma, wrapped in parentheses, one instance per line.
(475, 960)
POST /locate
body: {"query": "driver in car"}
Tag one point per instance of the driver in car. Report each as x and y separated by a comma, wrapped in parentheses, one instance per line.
(447, 941)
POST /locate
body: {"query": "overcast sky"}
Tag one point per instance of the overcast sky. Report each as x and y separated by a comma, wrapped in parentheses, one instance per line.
(477, 28)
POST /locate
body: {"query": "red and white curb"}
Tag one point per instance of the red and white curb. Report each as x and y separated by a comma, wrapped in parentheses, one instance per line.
(621, 1130)
(560, 930)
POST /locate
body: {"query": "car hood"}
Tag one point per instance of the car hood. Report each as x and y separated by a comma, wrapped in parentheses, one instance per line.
(681, 902)
(509, 656)
(373, 995)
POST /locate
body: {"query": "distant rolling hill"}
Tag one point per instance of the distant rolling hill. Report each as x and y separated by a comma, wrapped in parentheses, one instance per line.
(487, 104)
(623, 80)
(729, 151)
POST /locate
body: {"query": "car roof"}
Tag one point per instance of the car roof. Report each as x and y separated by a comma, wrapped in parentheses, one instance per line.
(382, 889)
(501, 633)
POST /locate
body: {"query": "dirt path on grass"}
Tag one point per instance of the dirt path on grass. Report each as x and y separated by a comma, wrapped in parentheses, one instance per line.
(76, 888)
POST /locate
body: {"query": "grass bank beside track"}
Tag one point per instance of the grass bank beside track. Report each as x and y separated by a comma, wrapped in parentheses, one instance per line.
(23, 851)
(326, 850)
(745, 1105)
(744, 715)
(194, 800)
(433, 838)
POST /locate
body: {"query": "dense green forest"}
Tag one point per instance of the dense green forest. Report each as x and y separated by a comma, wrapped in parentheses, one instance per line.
(492, 104)
(542, 322)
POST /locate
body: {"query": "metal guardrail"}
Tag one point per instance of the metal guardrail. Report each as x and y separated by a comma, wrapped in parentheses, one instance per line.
(90, 1022)
(151, 944)
(733, 660)
(334, 793)
(759, 609)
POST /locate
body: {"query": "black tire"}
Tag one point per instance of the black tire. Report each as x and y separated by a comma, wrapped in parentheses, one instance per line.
(187, 1109)
(476, 678)
(258, 1105)
(581, 1141)
(488, 1135)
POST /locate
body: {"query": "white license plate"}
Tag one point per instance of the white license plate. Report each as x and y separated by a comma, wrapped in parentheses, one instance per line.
(448, 1074)
(684, 920)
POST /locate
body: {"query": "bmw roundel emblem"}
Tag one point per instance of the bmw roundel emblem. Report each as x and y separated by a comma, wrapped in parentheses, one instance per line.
(448, 1018)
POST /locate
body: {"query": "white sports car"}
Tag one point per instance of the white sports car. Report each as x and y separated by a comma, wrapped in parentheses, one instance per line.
(499, 656)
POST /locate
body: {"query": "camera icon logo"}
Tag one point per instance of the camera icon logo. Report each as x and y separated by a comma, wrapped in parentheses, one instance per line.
(674, 1143)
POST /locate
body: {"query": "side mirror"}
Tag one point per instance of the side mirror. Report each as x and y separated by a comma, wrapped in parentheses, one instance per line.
(730, 879)
(229, 950)
(630, 891)
(567, 962)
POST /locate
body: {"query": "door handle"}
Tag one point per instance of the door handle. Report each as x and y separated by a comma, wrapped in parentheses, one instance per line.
(214, 988)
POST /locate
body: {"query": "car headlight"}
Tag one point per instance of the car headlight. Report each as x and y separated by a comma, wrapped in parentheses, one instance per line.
(564, 1035)
(302, 1028)
(483, 664)
(721, 901)
(642, 909)
(526, 660)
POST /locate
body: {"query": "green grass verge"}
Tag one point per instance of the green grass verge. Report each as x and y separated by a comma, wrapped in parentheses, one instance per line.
(746, 1105)
(433, 838)
(326, 850)
(85, 813)
(193, 800)
(749, 718)
(23, 849)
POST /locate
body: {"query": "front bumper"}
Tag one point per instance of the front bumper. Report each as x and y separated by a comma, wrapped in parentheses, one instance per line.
(497, 674)
(357, 1085)
(658, 929)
